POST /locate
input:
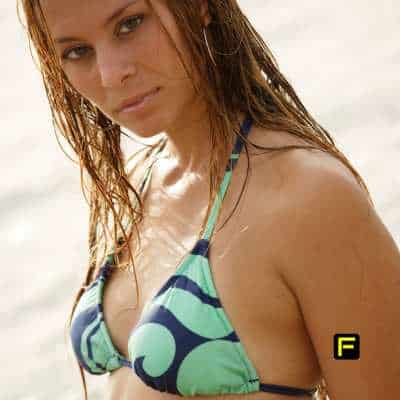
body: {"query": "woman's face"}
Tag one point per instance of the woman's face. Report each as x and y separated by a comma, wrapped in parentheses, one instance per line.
(114, 50)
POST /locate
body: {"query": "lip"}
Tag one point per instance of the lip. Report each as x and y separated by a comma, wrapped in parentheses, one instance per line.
(136, 101)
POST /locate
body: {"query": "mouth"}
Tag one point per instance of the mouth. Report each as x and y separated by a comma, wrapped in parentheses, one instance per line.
(137, 102)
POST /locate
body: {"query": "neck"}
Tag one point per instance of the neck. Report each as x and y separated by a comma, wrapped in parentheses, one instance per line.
(187, 153)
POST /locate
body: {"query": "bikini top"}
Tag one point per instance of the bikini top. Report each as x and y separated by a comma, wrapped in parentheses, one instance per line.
(183, 343)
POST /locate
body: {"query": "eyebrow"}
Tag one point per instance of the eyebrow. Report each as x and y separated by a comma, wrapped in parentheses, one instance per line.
(111, 18)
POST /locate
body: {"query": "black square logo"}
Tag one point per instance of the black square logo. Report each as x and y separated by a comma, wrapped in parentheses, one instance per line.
(346, 346)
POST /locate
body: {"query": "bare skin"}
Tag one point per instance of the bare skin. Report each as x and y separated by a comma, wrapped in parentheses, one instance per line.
(109, 63)
(243, 267)
(271, 261)
(109, 68)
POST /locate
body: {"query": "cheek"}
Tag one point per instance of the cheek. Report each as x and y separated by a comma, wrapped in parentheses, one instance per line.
(162, 52)
(86, 82)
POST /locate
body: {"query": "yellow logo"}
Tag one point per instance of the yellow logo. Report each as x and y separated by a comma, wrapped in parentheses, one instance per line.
(346, 346)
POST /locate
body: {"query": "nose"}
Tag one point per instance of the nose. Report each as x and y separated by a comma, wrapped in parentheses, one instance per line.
(114, 67)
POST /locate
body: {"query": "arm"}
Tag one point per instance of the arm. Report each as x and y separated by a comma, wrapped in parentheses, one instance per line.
(344, 269)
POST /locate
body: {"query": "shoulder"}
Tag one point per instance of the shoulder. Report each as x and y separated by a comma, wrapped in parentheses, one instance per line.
(306, 195)
(343, 267)
(289, 179)
(320, 199)
(298, 169)
(314, 196)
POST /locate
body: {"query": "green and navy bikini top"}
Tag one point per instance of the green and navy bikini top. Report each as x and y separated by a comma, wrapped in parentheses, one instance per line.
(183, 343)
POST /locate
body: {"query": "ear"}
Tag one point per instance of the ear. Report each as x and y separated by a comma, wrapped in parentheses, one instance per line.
(205, 15)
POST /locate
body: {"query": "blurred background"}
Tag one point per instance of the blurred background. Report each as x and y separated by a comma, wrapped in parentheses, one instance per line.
(341, 57)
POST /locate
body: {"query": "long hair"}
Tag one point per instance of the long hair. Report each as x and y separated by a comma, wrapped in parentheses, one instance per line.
(245, 78)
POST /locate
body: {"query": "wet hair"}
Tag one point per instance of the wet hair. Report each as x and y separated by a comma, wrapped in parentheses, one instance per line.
(245, 78)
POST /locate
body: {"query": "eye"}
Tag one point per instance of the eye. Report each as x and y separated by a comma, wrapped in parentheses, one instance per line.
(129, 24)
(79, 53)
(125, 27)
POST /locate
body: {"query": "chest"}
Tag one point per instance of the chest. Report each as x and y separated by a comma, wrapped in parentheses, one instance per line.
(245, 274)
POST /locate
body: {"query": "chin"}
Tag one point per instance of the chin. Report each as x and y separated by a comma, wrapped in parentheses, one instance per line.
(143, 129)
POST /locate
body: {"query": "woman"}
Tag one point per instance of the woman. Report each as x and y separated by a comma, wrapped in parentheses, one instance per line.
(198, 71)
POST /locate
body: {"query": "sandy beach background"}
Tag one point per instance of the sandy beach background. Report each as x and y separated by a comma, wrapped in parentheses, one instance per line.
(341, 57)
